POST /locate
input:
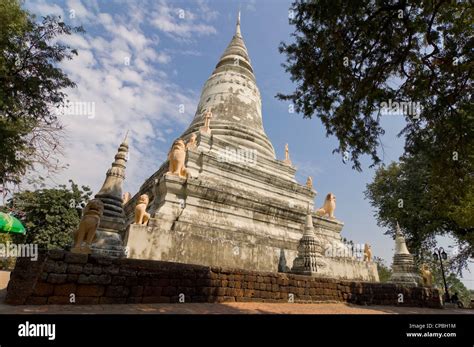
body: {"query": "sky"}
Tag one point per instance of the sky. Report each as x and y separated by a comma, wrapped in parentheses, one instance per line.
(142, 65)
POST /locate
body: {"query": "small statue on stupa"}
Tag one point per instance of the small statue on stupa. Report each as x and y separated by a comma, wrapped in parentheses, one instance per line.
(207, 121)
(177, 157)
(191, 144)
(367, 252)
(287, 159)
(141, 216)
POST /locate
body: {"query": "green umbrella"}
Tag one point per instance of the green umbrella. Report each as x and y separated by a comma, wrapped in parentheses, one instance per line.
(10, 224)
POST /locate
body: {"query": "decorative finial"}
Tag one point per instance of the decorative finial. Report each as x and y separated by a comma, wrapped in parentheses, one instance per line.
(207, 121)
(287, 159)
(309, 220)
(125, 140)
(237, 29)
(400, 243)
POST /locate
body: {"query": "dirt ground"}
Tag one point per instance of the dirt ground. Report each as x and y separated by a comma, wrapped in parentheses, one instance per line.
(220, 308)
(223, 308)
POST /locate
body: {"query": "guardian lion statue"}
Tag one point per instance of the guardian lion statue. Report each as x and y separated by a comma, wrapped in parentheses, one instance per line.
(426, 277)
(176, 157)
(367, 252)
(141, 216)
(88, 226)
(328, 207)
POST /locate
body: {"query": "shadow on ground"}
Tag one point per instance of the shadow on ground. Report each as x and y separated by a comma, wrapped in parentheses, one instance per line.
(3, 294)
(221, 308)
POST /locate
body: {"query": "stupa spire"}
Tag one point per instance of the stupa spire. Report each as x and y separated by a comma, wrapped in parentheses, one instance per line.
(306, 262)
(116, 174)
(232, 93)
(400, 243)
(403, 267)
(125, 139)
(309, 228)
(237, 27)
(112, 223)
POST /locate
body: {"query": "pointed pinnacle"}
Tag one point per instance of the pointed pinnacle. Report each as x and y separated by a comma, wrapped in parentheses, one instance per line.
(237, 29)
(125, 139)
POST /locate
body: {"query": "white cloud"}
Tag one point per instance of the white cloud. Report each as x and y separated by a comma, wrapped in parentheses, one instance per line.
(133, 37)
(190, 52)
(76, 8)
(43, 8)
(181, 23)
(307, 168)
(163, 58)
(78, 42)
(207, 13)
(105, 18)
(137, 96)
(251, 5)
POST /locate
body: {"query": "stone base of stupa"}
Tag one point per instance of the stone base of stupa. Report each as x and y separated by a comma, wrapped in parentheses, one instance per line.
(109, 240)
(404, 271)
(408, 280)
(109, 243)
(235, 215)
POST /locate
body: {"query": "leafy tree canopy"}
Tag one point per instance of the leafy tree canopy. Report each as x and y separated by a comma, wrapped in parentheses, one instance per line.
(384, 271)
(50, 216)
(348, 58)
(453, 281)
(31, 86)
(425, 207)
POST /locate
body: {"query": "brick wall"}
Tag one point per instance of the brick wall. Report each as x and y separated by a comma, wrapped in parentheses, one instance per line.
(98, 280)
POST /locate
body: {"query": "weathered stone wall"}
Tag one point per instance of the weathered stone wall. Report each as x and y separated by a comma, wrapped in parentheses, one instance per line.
(98, 280)
(234, 217)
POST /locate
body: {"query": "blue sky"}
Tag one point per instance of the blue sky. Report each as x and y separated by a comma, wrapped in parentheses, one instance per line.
(171, 48)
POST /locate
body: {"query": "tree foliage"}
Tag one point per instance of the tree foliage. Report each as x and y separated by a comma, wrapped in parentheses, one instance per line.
(453, 282)
(50, 216)
(31, 87)
(407, 193)
(456, 286)
(384, 271)
(6, 263)
(350, 57)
